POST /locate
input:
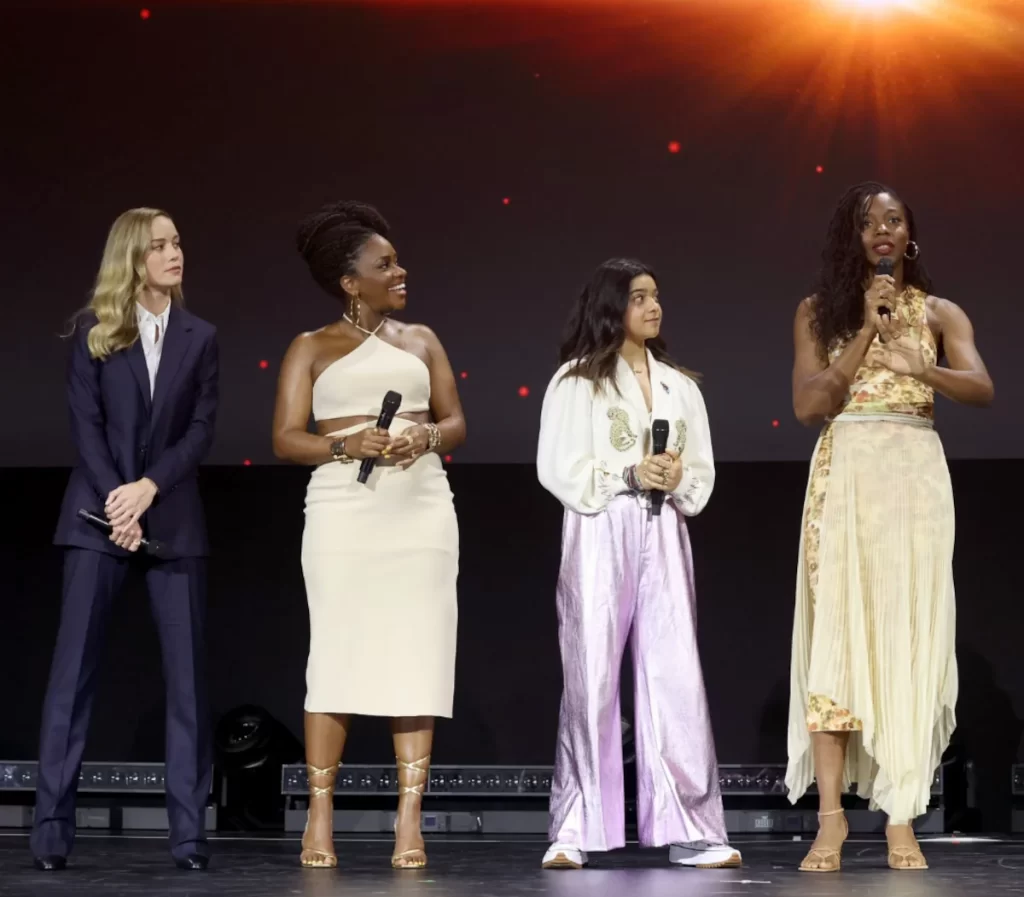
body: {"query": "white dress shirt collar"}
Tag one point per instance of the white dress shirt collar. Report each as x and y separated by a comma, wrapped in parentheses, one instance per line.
(152, 329)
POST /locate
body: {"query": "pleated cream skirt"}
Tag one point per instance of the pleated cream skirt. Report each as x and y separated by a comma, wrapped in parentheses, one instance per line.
(875, 622)
(380, 562)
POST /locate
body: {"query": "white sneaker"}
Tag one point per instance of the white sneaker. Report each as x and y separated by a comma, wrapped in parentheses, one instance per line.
(561, 856)
(702, 855)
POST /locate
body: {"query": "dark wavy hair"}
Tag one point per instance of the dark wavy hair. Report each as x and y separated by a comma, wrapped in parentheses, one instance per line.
(837, 306)
(331, 239)
(596, 328)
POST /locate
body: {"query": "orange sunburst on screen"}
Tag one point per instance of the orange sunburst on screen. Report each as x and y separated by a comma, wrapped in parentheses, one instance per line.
(879, 7)
(918, 69)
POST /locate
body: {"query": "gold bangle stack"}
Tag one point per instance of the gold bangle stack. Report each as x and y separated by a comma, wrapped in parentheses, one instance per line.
(434, 432)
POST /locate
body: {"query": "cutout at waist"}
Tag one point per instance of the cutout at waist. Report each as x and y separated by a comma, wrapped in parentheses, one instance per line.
(342, 426)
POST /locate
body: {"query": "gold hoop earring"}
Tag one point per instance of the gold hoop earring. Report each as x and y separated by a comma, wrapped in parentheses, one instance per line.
(917, 251)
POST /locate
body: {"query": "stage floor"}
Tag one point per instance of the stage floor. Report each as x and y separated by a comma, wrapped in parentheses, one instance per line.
(126, 866)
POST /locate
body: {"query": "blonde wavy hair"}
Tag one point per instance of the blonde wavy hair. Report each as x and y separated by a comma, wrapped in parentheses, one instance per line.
(120, 282)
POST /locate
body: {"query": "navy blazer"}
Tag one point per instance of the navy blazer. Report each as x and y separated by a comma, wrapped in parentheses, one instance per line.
(121, 434)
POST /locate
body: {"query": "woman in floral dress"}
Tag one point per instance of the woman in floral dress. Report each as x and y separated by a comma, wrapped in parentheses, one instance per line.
(874, 676)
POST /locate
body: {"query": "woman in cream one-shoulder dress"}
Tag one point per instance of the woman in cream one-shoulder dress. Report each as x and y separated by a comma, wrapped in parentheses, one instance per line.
(380, 558)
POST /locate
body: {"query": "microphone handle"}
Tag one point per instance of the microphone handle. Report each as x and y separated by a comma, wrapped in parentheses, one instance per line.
(150, 546)
(657, 501)
(657, 496)
(367, 465)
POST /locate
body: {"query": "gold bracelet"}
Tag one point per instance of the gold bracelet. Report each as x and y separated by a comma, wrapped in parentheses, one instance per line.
(434, 436)
(338, 451)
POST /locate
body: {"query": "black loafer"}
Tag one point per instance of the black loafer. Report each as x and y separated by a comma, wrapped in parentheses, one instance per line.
(50, 863)
(193, 863)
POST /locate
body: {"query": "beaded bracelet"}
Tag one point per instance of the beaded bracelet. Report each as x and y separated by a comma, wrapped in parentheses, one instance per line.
(631, 479)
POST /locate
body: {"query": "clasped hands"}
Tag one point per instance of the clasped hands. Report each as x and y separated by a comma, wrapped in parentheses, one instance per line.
(663, 472)
(123, 508)
(376, 442)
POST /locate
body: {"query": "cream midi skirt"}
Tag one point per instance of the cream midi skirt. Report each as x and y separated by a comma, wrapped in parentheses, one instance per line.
(380, 561)
(875, 625)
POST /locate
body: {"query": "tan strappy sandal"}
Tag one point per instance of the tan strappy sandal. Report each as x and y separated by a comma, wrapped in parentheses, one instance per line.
(900, 859)
(829, 859)
(417, 857)
(310, 857)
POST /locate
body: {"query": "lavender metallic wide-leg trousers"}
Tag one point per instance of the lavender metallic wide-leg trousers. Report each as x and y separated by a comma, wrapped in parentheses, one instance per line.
(626, 573)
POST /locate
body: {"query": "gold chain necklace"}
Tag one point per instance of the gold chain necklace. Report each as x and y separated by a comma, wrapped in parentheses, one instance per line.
(363, 329)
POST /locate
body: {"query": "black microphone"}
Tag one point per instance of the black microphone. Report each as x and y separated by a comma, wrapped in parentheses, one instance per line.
(150, 546)
(659, 434)
(387, 414)
(885, 268)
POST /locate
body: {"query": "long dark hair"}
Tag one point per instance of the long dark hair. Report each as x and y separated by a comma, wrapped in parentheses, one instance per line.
(837, 307)
(596, 328)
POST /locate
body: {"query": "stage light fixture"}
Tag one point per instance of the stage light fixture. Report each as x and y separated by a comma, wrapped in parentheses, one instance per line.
(250, 746)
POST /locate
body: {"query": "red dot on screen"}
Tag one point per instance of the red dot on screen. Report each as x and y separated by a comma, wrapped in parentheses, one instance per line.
(674, 146)
(464, 375)
(264, 364)
(247, 463)
(524, 391)
(820, 169)
(506, 201)
(447, 459)
(775, 423)
(144, 14)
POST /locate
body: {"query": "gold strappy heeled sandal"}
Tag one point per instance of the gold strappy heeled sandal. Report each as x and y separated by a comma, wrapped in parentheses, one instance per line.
(417, 857)
(310, 857)
(907, 859)
(829, 859)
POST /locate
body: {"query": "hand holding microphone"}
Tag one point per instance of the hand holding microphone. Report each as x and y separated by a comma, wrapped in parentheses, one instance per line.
(889, 325)
(368, 443)
(659, 442)
(389, 408)
(880, 296)
(149, 546)
(660, 472)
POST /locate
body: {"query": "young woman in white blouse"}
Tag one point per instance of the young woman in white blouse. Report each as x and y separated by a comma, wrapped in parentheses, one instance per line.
(626, 572)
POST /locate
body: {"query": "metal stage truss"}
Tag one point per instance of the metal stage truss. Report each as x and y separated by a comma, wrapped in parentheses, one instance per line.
(114, 796)
(513, 799)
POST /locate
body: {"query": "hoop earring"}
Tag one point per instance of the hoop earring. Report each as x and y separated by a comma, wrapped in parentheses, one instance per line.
(917, 251)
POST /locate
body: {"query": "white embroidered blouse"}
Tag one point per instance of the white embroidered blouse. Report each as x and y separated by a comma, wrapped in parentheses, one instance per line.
(589, 435)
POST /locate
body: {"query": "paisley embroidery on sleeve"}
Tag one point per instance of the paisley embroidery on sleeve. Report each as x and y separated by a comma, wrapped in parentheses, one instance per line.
(680, 435)
(609, 484)
(621, 436)
(692, 493)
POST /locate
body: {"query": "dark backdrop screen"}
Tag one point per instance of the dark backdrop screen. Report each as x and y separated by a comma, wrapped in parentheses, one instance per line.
(512, 146)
